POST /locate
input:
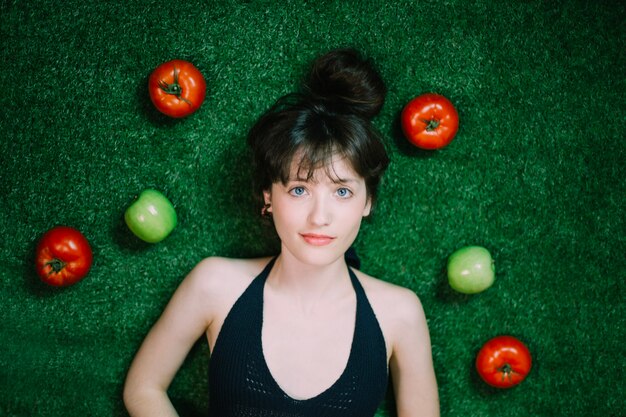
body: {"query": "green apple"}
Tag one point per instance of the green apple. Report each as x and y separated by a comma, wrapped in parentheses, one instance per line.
(151, 217)
(471, 270)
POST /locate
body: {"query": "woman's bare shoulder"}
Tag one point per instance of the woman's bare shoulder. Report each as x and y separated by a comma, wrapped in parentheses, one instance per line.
(220, 275)
(218, 282)
(395, 306)
(387, 293)
(236, 266)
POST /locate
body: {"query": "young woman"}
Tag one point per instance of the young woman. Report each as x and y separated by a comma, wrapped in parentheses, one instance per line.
(300, 334)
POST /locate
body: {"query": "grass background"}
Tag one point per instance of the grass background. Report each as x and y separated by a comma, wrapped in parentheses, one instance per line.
(535, 174)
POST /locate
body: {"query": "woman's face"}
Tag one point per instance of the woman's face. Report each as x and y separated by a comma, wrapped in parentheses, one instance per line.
(318, 219)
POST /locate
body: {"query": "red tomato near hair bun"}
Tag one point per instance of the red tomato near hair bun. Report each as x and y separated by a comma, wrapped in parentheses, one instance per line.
(503, 362)
(177, 88)
(64, 256)
(430, 121)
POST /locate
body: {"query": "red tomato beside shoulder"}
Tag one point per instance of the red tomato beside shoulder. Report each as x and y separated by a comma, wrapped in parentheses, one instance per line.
(430, 121)
(64, 256)
(177, 88)
(503, 362)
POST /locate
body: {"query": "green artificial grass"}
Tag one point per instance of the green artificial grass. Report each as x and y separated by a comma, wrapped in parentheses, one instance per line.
(535, 174)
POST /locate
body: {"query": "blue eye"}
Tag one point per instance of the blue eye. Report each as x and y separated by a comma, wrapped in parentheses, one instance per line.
(344, 192)
(297, 191)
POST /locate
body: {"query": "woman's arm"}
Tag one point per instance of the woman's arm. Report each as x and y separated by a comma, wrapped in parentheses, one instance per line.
(413, 376)
(164, 349)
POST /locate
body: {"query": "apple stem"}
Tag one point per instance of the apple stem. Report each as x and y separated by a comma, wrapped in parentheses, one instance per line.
(56, 266)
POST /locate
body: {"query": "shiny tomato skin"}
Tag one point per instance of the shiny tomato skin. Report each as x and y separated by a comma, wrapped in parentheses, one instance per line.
(503, 362)
(430, 121)
(63, 256)
(177, 88)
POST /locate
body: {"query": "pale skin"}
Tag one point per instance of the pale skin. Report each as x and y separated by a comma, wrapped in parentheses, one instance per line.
(309, 305)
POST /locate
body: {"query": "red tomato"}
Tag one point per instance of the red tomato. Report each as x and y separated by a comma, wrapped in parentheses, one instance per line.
(503, 362)
(430, 121)
(177, 88)
(63, 256)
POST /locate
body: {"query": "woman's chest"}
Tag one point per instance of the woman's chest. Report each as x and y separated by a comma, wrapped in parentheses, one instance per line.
(307, 353)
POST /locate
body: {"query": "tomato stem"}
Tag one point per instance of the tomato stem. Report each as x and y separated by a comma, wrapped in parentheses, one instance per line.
(56, 266)
(507, 371)
(173, 88)
(431, 124)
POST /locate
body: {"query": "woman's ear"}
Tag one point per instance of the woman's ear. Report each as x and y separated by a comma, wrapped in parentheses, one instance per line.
(267, 197)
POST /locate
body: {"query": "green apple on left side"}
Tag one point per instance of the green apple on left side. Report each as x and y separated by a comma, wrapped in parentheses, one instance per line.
(151, 217)
(471, 270)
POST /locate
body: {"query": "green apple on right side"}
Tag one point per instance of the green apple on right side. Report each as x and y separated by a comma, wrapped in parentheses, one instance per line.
(471, 270)
(151, 217)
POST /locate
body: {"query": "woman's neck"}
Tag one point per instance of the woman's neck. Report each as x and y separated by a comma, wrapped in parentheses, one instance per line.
(309, 283)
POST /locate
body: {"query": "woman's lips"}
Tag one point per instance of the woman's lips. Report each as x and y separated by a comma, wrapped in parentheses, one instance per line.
(316, 240)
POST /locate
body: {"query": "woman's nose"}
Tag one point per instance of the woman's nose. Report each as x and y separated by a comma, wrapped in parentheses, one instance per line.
(319, 214)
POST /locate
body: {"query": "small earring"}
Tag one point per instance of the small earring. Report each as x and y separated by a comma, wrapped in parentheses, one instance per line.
(265, 211)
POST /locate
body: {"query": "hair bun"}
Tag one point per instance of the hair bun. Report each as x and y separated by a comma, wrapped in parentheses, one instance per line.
(344, 82)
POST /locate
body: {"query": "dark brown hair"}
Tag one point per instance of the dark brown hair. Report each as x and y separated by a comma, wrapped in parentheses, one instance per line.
(330, 116)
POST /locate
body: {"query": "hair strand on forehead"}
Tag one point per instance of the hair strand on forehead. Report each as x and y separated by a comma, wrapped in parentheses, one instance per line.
(307, 167)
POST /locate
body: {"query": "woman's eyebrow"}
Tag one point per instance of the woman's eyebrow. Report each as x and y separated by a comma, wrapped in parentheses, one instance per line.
(344, 180)
(333, 179)
(298, 179)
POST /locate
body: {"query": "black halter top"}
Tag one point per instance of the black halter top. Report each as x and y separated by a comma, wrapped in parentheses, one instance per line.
(241, 384)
